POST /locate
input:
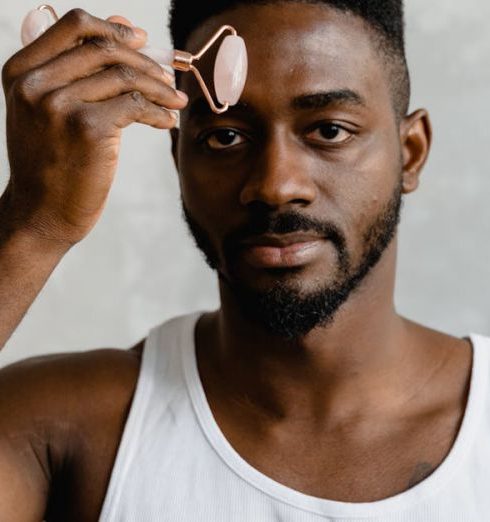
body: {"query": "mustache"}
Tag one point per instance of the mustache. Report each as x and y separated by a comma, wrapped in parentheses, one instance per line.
(284, 223)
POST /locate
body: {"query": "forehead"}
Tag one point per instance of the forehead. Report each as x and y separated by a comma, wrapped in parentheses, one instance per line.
(296, 48)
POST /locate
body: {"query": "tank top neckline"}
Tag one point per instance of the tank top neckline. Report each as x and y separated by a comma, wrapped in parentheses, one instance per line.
(322, 506)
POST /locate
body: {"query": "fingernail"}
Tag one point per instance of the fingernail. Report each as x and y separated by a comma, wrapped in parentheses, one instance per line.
(168, 78)
(117, 19)
(182, 95)
(139, 33)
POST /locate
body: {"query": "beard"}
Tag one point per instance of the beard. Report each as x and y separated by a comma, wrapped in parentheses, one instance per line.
(284, 310)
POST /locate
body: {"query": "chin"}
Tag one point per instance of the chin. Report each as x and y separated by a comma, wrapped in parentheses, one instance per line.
(287, 309)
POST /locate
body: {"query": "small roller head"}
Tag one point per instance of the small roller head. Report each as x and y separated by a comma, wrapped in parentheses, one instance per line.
(35, 24)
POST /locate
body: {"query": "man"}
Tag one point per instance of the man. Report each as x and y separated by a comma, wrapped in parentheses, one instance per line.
(306, 396)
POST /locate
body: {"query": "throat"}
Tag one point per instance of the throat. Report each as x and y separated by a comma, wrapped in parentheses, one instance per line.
(315, 378)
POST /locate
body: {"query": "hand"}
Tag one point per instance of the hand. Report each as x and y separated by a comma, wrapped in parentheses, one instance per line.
(69, 94)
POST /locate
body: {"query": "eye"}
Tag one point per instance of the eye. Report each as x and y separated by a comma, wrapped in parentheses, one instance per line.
(330, 133)
(223, 139)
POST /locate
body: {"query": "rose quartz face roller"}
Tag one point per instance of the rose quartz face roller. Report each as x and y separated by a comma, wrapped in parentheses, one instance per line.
(230, 67)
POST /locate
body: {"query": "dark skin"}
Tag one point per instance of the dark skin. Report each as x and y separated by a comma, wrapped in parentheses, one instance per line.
(345, 412)
(360, 387)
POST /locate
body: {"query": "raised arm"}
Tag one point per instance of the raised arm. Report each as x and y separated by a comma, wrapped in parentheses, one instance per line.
(26, 262)
(69, 94)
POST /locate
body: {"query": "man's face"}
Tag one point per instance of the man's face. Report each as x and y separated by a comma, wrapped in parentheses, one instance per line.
(295, 194)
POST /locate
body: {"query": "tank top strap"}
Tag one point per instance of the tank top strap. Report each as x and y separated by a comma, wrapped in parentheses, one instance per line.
(160, 380)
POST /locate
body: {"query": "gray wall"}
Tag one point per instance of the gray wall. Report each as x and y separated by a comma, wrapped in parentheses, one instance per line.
(139, 266)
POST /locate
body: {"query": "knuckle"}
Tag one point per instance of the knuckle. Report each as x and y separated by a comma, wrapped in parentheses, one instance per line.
(125, 72)
(77, 17)
(80, 122)
(137, 99)
(102, 44)
(25, 87)
(23, 92)
(52, 104)
(8, 72)
(150, 66)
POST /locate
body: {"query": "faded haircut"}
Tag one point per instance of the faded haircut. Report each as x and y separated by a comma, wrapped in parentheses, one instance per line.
(385, 18)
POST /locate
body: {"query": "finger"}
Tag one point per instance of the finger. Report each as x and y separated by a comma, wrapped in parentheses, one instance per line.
(73, 28)
(131, 108)
(86, 60)
(118, 80)
(116, 19)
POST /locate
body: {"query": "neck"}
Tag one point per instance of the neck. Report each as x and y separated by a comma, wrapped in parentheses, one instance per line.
(334, 371)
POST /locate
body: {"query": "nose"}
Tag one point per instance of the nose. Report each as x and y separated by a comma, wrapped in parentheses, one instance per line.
(280, 176)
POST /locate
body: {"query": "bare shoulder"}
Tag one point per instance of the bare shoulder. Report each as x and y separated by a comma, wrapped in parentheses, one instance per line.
(61, 395)
(67, 382)
(451, 359)
(437, 340)
(61, 412)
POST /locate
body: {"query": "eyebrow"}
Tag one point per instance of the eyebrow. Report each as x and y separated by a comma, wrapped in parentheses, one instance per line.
(321, 100)
(318, 100)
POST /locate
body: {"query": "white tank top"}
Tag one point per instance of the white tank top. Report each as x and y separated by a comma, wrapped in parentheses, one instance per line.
(175, 465)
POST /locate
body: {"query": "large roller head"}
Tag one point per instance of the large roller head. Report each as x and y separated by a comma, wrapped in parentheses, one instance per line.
(230, 70)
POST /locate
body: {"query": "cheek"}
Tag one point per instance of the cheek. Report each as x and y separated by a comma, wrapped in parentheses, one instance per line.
(366, 183)
(209, 195)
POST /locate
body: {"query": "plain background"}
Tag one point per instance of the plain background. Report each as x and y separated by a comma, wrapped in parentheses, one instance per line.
(139, 266)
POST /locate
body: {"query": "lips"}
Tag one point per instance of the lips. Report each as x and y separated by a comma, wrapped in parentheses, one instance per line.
(282, 251)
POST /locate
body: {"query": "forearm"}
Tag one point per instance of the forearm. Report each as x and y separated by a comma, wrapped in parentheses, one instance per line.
(26, 262)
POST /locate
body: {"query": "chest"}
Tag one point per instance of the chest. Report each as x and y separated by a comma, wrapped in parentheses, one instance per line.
(355, 463)
(178, 472)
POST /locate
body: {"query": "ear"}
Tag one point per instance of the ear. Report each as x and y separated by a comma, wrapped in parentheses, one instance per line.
(174, 136)
(416, 139)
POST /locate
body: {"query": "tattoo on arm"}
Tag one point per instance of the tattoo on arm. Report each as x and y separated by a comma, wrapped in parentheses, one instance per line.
(422, 471)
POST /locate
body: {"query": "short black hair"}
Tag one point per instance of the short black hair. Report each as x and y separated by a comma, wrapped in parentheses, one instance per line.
(384, 17)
